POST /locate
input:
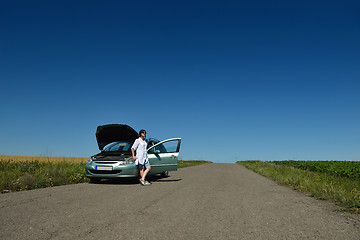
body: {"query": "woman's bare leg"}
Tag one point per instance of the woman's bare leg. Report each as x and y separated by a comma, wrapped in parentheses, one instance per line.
(143, 176)
(141, 173)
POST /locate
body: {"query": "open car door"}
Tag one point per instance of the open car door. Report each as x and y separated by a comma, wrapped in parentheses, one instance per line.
(163, 156)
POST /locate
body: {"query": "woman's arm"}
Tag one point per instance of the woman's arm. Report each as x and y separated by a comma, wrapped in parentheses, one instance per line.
(134, 147)
(133, 154)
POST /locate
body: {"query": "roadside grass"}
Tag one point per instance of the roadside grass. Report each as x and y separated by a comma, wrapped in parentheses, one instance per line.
(18, 173)
(190, 163)
(26, 175)
(344, 191)
(42, 158)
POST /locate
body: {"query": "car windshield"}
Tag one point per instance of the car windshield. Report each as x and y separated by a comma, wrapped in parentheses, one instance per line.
(151, 142)
(118, 147)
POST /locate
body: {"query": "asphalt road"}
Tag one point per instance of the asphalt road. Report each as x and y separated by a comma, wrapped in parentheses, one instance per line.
(211, 201)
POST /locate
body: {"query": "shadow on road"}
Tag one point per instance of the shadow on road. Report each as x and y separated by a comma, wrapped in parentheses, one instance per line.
(133, 181)
(115, 181)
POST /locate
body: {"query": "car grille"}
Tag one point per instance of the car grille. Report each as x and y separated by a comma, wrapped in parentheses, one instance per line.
(105, 172)
(102, 162)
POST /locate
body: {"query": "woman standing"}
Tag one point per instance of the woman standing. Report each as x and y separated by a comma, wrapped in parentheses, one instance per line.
(141, 157)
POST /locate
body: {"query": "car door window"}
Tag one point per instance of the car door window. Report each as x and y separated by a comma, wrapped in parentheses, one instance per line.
(170, 147)
(166, 146)
(161, 148)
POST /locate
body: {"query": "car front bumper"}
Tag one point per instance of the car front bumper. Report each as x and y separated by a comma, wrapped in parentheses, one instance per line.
(118, 171)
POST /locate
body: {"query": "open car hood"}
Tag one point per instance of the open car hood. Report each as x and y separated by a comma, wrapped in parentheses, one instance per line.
(109, 133)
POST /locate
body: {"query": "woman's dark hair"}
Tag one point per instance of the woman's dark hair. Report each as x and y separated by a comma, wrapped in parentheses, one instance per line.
(142, 131)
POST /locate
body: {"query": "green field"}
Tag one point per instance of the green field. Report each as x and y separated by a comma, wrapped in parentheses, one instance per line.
(332, 180)
(19, 173)
(346, 169)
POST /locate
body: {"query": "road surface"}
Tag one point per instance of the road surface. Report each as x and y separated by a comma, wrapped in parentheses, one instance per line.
(211, 201)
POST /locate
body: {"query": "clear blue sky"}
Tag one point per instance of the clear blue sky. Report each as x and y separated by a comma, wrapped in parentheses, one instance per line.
(236, 80)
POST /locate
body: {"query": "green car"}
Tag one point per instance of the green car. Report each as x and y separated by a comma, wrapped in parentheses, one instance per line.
(115, 159)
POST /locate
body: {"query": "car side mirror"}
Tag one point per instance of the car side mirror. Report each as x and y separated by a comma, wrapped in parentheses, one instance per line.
(155, 151)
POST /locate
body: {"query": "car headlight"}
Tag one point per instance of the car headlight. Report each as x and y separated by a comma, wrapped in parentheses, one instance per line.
(129, 160)
(89, 160)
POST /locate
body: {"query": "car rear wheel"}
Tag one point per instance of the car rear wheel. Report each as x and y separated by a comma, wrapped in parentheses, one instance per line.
(165, 174)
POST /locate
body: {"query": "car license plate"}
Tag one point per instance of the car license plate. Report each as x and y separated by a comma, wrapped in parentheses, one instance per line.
(104, 168)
